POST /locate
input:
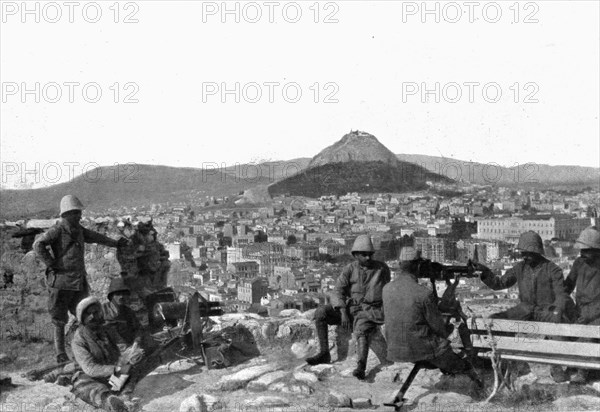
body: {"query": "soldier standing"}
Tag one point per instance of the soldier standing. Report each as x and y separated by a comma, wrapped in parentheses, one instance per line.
(62, 249)
(356, 303)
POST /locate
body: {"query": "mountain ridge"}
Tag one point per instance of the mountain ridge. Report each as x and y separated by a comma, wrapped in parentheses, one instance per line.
(157, 183)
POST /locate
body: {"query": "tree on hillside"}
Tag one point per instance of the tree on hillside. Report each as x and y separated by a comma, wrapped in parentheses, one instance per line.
(291, 240)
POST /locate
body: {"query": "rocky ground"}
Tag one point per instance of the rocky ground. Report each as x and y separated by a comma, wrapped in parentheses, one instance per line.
(279, 380)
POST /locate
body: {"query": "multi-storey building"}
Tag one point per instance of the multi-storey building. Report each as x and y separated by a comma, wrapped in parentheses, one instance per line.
(509, 229)
(252, 290)
(436, 248)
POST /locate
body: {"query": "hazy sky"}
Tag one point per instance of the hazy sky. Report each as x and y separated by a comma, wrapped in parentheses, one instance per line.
(517, 82)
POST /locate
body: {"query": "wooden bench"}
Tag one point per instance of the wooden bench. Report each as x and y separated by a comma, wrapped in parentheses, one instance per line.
(538, 342)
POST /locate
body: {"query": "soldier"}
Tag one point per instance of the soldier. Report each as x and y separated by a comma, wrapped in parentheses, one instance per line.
(65, 266)
(356, 304)
(415, 329)
(542, 292)
(154, 264)
(95, 350)
(585, 277)
(120, 317)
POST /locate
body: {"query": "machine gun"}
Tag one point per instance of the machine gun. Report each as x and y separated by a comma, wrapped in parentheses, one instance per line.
(436, 271)
(190, 318)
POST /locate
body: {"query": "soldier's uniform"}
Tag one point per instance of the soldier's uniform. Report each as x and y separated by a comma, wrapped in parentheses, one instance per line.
(415, 329)
(66, 276)
(357, 291)
(585, 277)
(96, 352)
(542, 292)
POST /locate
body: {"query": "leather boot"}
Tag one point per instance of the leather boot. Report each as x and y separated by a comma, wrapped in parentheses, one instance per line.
(59, 343)
(472, 373)
(323, 335)
(362, 352)
(342, 338)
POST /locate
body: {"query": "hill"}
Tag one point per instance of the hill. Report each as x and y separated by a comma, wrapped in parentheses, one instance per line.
(527, 175)
(358, 162)
(142, 185)
(363, 164)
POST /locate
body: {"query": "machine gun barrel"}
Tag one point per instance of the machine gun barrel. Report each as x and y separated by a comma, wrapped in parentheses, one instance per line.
(177, 310)
(437, 271)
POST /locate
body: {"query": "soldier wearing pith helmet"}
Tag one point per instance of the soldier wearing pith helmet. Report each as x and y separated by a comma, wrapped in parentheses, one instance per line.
(62, 249)
(541, 286)
(356, 304)
(585, 278)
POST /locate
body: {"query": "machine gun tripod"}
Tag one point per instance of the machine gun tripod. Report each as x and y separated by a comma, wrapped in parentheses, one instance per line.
(192, 316)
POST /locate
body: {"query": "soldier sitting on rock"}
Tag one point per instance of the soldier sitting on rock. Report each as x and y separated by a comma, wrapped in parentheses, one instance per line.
(415, 329)
(356, 304)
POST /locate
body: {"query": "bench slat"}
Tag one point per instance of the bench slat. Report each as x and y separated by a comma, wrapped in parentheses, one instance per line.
(574, 363)
(541, 346)
(541, 328)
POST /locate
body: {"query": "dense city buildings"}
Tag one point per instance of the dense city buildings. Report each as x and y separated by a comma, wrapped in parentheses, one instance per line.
(287, 254)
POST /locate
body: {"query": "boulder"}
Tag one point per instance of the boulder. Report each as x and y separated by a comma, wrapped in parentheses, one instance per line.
(577, 403)
(267, 402)
(451, 401)
(240, 379)
(306, 377)
(302, 349)
(338, 399)
(295, 329)
(192, 404)
(263, 382)
(322, 371)
(361, 403)
(286, 313)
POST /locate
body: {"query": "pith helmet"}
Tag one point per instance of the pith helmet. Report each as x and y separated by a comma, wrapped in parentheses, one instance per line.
(589, 238)
(83, 305)
(68, 203)
(117, 285)
(407, 254)
(363, 244)
(530, 242)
